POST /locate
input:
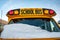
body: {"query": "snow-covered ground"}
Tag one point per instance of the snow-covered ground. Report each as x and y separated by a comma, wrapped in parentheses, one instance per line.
(26, 31)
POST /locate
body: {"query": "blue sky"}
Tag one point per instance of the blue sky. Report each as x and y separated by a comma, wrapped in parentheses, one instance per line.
(6, 5)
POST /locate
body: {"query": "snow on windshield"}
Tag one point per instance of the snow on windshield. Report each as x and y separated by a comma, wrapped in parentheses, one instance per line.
(26, 31)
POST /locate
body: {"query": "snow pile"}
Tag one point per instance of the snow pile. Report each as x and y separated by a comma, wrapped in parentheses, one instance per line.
(26, 31)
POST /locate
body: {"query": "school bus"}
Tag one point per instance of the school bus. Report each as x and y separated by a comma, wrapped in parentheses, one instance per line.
(38, 16)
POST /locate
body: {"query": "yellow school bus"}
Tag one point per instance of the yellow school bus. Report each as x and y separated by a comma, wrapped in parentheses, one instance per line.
(36, 17)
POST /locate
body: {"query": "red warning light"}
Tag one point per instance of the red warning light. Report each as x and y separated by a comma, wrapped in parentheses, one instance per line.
(51, 12)
(11, 12)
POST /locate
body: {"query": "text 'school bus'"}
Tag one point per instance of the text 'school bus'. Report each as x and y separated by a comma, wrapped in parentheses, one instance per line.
(37, 17)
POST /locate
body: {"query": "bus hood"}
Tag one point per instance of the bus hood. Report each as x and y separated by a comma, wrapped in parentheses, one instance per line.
(26, 31)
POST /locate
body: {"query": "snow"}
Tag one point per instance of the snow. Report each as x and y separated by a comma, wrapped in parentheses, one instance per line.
(26, 31)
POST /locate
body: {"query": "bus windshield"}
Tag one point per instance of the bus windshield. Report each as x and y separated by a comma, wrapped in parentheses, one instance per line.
(45, 23)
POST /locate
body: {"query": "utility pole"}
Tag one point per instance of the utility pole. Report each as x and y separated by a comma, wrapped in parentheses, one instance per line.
(1, 17)
(1, 14)
(1, 23)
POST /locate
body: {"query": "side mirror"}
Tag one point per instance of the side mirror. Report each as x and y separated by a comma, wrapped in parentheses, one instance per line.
(58, 22)
(59, 25)
(1, 28)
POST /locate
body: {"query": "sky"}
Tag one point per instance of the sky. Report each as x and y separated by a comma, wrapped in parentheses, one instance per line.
(6, 5)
